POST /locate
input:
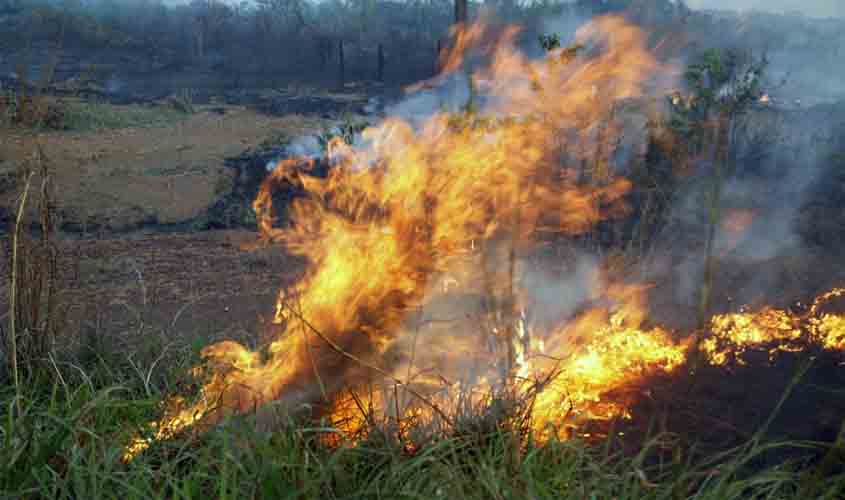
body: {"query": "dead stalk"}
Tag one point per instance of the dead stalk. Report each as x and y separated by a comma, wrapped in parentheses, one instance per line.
(311, 357)
(722, 139)
(370, 366)
(13, 290)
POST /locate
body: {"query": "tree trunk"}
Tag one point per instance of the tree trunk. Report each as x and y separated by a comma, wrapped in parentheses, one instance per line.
(714, 216)
(380, 75)
(461, 12)
(722, 143)
(437, 52)
(341, 65)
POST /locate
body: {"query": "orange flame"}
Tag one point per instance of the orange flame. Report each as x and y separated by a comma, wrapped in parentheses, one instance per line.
(775, 329)
(393, 223)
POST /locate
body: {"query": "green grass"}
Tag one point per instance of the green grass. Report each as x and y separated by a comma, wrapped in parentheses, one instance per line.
(84, 116)
(75, 417)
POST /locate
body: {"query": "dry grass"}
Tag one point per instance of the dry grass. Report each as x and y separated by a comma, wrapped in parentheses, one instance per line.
(34, 315)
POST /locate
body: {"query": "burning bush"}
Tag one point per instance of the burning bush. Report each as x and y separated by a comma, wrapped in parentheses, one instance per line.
(412, 313)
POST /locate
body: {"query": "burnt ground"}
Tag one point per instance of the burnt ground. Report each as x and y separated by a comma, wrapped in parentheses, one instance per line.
(792, 398)
(152, 207)
(153, 220)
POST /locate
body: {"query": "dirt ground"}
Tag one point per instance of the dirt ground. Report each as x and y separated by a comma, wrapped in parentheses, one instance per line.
(134, 283)
(117, 279)
(202, 285)
(117, 179)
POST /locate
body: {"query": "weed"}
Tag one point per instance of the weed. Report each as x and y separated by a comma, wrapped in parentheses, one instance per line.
(183, 101)
(83, 116)
(33, 308)
(66, 443)
(276, 139)
(29, 105)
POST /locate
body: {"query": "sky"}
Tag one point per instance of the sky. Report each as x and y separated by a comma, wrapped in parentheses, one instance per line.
(810, 8)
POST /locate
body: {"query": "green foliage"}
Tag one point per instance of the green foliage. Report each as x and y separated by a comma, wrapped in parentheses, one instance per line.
(183, 101)
(39, 111)
(30, 110)
(67, 442)
(549, 42)
(275, 139)
(720, 83)
(69, 24)
(82, 116)
(8, 107)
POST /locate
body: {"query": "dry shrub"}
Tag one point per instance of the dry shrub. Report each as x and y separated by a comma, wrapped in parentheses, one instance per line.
(30, 106)
(33, 253)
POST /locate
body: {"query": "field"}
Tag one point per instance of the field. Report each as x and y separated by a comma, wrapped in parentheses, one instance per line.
(598, 272)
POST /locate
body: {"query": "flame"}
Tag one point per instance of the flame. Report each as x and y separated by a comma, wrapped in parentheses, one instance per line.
(774, 329)
(594, 357)
(619, 352)
(439, 211)
(734, 226)
(737, 221)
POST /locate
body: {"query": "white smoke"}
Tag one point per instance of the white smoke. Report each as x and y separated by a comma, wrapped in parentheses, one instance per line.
(810, 8)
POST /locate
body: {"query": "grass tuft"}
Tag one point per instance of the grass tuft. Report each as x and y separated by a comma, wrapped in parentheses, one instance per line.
(84, 116)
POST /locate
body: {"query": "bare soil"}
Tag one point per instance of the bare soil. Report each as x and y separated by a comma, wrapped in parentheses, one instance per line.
(120, 280)
(201, 284)
(119, 179)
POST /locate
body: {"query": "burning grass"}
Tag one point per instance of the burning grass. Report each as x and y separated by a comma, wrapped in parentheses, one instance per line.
(67, 442)
(408, 361)
(459, 203)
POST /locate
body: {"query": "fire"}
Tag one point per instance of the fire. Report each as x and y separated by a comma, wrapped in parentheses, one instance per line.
(733, 334)
(774, 329)
(619, 353)
(440, 213)
(592, 359)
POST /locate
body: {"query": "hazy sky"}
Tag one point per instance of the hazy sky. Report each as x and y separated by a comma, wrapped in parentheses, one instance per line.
(813, 8)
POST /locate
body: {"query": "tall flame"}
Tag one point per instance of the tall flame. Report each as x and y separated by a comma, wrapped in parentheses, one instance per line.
(395, 224)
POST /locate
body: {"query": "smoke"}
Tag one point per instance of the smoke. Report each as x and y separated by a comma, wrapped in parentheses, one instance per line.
(810, 8)
(448, 95)
(761, 205)
(565, 26)
(555, 297)
(760, 202)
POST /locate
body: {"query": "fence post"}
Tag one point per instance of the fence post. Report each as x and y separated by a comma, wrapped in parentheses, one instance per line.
(341, 65)
(437, 51)
(380, 75)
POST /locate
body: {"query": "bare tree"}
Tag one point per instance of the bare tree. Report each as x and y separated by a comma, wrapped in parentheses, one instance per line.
(461, 11)
(208, 23)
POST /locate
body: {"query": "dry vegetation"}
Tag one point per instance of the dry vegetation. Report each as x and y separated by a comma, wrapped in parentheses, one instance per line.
(105, 326)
